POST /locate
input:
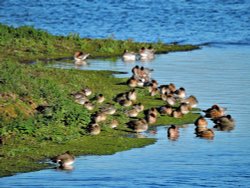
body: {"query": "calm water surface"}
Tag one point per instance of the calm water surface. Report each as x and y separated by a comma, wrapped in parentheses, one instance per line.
(215, 75)
(185, 21)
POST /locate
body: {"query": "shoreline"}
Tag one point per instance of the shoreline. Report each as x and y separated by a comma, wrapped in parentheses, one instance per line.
(29, 135)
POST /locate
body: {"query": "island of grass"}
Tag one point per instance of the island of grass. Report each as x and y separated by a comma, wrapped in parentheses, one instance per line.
(38, 115)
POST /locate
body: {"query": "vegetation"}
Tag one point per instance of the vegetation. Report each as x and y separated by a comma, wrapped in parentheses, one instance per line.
(38, 115)
(28, 44)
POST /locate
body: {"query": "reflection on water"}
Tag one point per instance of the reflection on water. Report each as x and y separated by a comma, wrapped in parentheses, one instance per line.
(214, 76)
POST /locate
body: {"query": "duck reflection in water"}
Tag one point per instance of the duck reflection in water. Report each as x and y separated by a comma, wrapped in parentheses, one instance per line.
(173, 133)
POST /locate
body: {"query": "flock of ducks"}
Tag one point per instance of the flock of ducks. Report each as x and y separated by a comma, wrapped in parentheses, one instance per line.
(177, 104)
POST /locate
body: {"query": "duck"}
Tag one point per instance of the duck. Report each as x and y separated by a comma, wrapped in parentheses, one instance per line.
(82, 100)
(191, 100)
(201, 122)
(64, 160)
(154, 92)
(214, 112)
(94, 129)
(224, 123)
(132, 113)
(139, 125)
(215, 106)
(114, 123)
(208, 134)
(110, 109)
(139, 107)
(173, 132)
(136, 71)
(166, 110)
(78, 95)
(180, 93)
(146, 54)
(131, 95)
(99, 116)
(164, 89)
(132, 82)
(170, 99)
(184, 108)
(89, 105)
(154, 84)
(129, 56)
(125, 102)
(151, 118)
(172, 87)
(145, 73)
(152, 110)
(100, 98)
(87, 91)
(80, 56)
(177, 113)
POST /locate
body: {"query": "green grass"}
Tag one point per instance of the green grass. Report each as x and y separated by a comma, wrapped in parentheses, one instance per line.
(29, 136)
(28, 44)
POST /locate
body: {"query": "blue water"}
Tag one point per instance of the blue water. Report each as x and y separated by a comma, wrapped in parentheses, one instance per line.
(218, 73)
(185, 21)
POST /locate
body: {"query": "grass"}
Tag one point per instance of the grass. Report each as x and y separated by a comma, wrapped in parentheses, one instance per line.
(28, 44)
(28, 135)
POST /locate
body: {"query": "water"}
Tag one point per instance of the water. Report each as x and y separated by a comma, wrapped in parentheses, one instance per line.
(185, 21)
(218, 73)
(214, 75)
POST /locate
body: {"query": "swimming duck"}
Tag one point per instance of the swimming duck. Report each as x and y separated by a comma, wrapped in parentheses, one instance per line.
(173, 132)
(128, 56)
(201, 122)
(208, 133)
(64, 160)
(214, 112)
(94, 129)
(224, 123)
(80, 56)
(138, 126)
(146, 54)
